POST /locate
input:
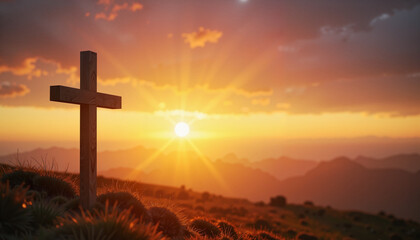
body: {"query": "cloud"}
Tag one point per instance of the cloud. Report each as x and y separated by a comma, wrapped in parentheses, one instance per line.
(379, 18)
(37, 67)
(261, 101)
(111, 9)
(136, 6)
(390, 47)
(257, 59)
(115, 81)
(395, 95)
(27, 69)
(11, 90)
(201, 37)
(71, 73)
(286, 49)
(282, 105)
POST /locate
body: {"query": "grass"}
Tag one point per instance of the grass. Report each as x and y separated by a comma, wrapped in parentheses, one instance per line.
(132, 210)
(15, 216)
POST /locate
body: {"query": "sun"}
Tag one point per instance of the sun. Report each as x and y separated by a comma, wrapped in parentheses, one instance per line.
(182, 129)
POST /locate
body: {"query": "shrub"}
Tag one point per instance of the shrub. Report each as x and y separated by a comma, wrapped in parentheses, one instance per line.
(34, 195)
(224, 238)
(308, 203)
(306, 236)
(219, 210)
(248, 236)
(44, 214)
(18, 177)
(168, 222)
(160, 193)
(321, 212)
(399, 222)
(200, 208)
(263, 235)
(278, 201)
(186, 205)
(15, 217)
(183, 194)
(227, 229)
(205, 228)
(125, 200)
(205, 196)
(113, 224)
(59, 200)
(290, 233)
(74, 205)
(395, 237)
(304, 223)
(189, 234)
(261, 224)
(54, 186)
(348, 225)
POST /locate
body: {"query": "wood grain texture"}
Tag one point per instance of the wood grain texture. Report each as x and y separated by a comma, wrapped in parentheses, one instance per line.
(79, 96)
(88, 132)
(88, 98)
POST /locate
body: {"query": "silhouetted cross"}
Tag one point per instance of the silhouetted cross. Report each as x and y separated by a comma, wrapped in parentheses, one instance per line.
(89, 99)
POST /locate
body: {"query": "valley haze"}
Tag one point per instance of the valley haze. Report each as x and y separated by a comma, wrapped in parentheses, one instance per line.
(362, 183)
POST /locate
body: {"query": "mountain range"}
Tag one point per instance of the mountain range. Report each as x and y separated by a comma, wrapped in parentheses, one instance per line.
(345, 184)
(391, 184)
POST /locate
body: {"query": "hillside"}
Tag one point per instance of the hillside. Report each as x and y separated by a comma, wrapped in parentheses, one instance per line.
(340, 183)
(284, 167)
(407, 162)
(229, 179)
(280, 222)
(345, 184)
(143, 159)
(69, 158)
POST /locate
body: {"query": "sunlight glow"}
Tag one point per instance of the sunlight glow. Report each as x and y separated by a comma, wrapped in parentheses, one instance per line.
(182, 129)
(217, 176)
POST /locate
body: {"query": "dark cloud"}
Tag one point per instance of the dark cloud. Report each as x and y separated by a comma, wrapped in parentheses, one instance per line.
(112, 9)
(395, 96)
(312, 50)
(11, 90)
(389, 48)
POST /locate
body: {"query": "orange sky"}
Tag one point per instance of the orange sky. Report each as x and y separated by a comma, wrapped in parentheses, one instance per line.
(234, 69)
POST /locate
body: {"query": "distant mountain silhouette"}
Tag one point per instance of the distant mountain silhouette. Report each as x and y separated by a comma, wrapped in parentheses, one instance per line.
(367, 184)
(175, 169)
(64, 158)
(284, 167)
(69, 158)
(228, 179)
(345, 184)
(233, 158)
(408, 162)
(124, 173)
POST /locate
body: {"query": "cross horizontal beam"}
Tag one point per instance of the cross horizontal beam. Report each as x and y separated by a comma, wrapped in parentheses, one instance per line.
(80, 96)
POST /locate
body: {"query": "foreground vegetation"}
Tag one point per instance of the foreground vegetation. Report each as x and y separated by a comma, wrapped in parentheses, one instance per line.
(43, 204)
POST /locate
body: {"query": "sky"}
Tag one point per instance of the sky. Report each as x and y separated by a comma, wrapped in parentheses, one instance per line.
(244, 74)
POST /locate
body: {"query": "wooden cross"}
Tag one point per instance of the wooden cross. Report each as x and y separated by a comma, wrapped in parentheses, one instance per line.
(88, 99)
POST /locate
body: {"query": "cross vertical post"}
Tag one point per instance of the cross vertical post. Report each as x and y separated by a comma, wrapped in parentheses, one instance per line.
(88, 99)
(88, 70)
